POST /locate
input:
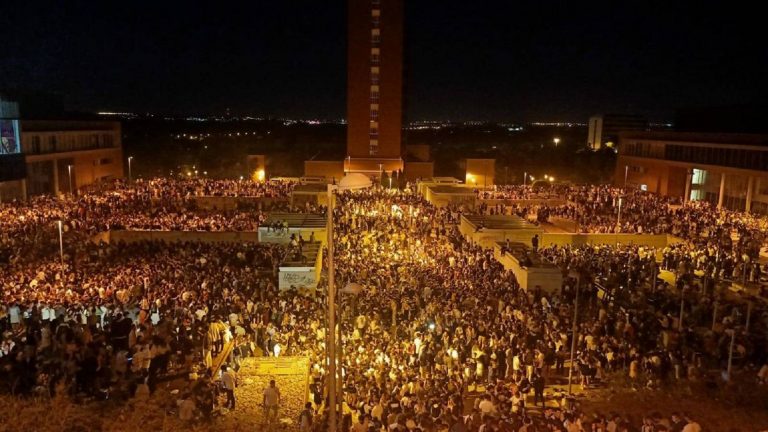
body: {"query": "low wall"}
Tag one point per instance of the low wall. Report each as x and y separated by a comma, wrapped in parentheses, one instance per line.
(267, 235)
(487, 238)
(523, 202)
(231, 203)
(177, 236)
(561, 239)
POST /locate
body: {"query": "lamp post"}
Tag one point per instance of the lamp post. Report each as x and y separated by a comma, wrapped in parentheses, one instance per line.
(61, 242)
(573, 336)
(69, 170)
(626, 175)
(331, 333)
(525, 178)
(130, 176)
(556, 141)
(618, 218)
(353, 289)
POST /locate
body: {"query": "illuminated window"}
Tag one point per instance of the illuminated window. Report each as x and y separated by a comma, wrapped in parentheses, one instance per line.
(374, 115)
(699, 176)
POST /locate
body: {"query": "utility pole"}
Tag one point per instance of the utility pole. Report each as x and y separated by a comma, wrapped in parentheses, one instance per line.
(574, 335)
(61, 242)
(331, 333)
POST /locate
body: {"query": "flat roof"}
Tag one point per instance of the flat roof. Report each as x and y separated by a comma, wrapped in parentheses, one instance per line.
(310, 188)
(698, 137)
(520, 250)
(297, 220)
(500, 222)
(448, 189)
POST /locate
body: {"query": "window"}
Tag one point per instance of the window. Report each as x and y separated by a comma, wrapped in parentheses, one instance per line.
(374, 115)
(35, 144)
(375, 97)
(699, 177)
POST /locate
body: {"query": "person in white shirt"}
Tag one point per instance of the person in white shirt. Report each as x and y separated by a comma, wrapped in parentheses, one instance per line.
(229, 382)
(271, 402)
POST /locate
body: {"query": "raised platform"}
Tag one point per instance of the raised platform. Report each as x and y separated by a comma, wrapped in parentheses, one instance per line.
(302, 271)
(303, 224)
(313, 193)
(488, 230)
(442, 195)
(291, 375)
(530, 269)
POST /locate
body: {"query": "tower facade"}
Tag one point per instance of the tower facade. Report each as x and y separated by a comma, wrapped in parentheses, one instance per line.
(374, 86)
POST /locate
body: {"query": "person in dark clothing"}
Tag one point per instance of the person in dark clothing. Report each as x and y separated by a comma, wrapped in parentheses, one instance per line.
(538, 389)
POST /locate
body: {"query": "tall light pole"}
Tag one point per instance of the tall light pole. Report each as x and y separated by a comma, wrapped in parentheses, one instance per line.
(626, 175)
(331, 333)
(573, 336)
(130, 176)
(618, 218)
(61, 242)
(69, 169)
(525, 178)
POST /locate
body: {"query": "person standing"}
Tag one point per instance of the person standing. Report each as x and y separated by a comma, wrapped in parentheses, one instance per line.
(271, 402)
(229, 382)
(306, 417)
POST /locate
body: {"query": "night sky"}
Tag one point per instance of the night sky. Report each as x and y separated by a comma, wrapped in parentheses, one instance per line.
(466, 60)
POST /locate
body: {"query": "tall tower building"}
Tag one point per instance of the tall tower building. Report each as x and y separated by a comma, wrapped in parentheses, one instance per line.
(374, 86)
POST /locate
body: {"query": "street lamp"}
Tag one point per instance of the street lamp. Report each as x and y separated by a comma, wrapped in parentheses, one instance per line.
(575, 330)
(626, 175)
(618, 219)
(61, 242)
(69, 170)
(331, 333)
(556, 141)
(390, 182)
(130, 176)
(525, 178)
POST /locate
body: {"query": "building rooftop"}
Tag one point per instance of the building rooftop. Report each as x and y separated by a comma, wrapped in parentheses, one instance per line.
(447, 189)
(699, 137)
(310, 188)
(499, 222)
(521, 252)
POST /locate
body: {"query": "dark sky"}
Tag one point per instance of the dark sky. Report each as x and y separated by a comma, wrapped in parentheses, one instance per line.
(484, 60)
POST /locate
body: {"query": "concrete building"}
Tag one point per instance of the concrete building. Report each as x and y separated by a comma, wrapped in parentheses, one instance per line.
(374, 86)
(375, 97)
(480, 173)
(604, 128)
(63, 155)
(729, 170)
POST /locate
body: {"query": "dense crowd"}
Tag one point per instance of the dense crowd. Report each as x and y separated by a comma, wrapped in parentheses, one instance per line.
(438, 320)
(157, 204)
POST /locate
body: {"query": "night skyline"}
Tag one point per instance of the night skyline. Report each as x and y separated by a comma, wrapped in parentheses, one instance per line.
(464, 61)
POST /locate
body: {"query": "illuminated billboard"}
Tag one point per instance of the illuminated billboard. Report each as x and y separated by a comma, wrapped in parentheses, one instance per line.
(9, 137)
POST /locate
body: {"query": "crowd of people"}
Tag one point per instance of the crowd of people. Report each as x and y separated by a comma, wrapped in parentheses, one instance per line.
(441, 337)
(157, 204)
